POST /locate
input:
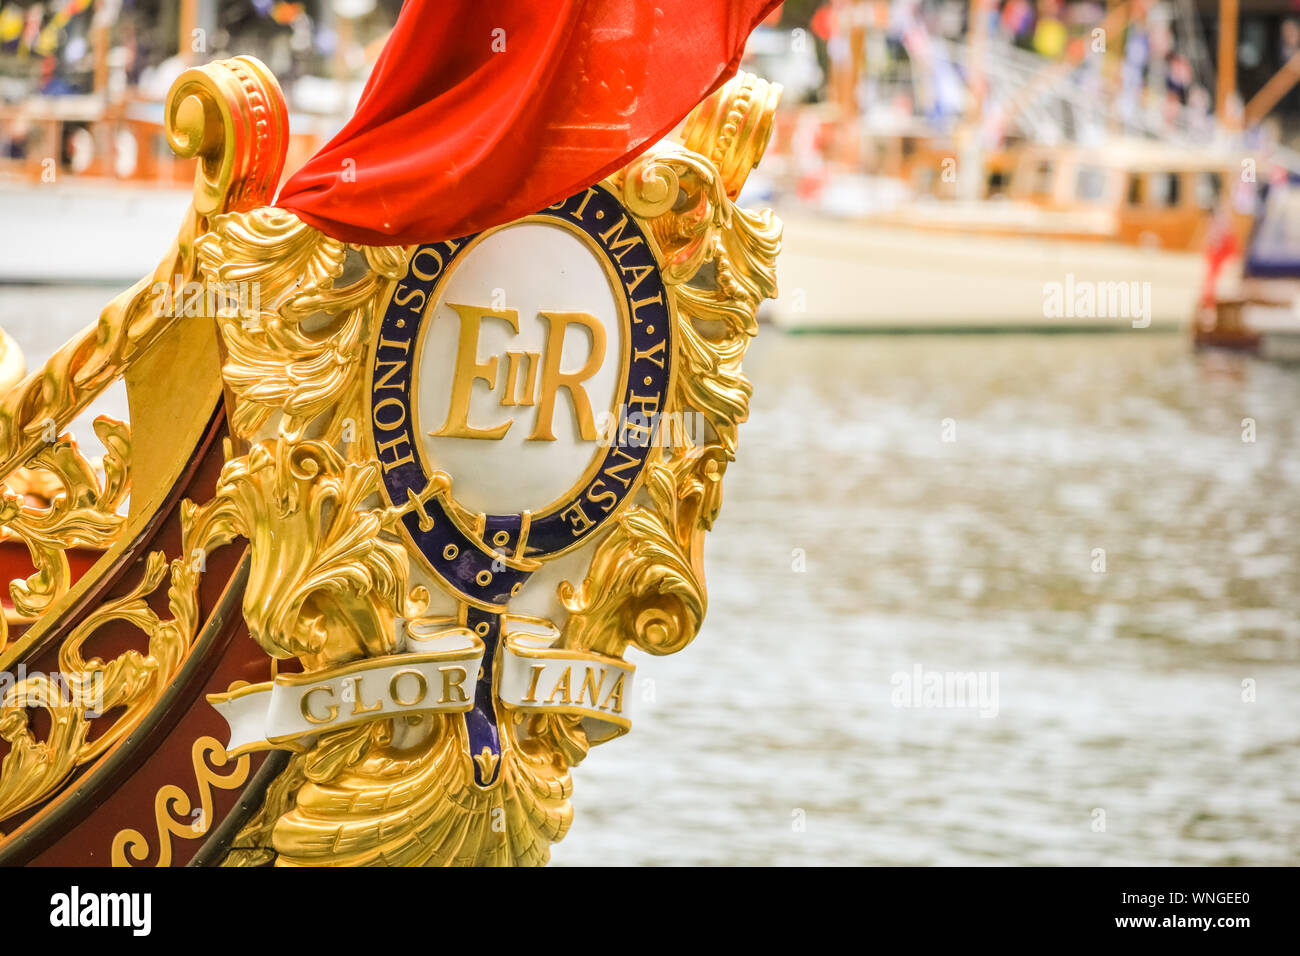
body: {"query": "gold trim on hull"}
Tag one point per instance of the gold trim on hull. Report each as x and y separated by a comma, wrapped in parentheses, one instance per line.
(229, 116)
(331, 580)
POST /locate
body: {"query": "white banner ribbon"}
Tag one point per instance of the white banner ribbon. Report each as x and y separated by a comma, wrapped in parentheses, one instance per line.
(537, 677)
(435, 673)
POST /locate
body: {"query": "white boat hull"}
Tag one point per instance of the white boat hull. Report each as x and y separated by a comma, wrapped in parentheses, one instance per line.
(849, 276)
(62, 233)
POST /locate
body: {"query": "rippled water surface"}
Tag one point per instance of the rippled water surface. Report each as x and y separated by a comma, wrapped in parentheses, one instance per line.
(1119, 691)
(773, 738)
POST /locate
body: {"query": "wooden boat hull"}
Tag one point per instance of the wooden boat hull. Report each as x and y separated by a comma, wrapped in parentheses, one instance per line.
(113, 809)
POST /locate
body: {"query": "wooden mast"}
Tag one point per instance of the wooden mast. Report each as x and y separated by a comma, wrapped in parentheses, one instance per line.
(1227, 80)
(188, 23)
(1278, 86)
(971, 178)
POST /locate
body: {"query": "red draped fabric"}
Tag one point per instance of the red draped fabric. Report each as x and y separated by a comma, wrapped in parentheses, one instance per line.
(479, 112)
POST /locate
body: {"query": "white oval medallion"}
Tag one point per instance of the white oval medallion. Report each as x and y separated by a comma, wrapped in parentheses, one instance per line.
(520, 355)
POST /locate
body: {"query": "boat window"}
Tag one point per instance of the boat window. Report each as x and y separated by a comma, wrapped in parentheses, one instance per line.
(1043, 176)
(1090, 184)
(1209, 187)
(1135, 190)
(1166, 189)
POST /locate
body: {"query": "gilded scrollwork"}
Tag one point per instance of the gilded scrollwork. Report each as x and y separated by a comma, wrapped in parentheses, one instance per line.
(189, 822)
(324, 586)
(394, 793)
(109, 697)
(230, 117)
(295, 355)
(330, 579)
(78, 509)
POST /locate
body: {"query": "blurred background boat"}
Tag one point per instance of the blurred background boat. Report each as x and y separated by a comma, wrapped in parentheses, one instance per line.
(1254, 306)
(87, 179)
(1064, 217)
(952, 178)
(93, 185)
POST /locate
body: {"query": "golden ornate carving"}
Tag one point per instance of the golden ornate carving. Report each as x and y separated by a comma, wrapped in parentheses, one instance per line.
(111, 696)
(402, 791)
(130, 844)
(297, 358)
(733, 126)
(323, 586)
(230, 116)
(419, 806)
(330, 580)
(80, 510)
(327, 582)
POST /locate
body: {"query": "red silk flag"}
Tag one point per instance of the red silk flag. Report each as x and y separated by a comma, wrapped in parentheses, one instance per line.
(478, 113)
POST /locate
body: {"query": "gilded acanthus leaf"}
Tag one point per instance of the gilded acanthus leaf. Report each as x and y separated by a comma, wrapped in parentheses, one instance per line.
(292, 338)
(324, 584)
(328, 579)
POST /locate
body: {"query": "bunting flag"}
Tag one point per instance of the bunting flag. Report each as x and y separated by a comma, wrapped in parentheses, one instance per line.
(479, 113)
